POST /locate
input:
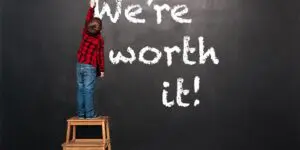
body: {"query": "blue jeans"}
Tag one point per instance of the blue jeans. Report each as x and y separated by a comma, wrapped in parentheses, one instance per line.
(86, 78)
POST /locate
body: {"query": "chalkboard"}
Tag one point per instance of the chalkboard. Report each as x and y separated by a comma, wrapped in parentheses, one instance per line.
(1, 83)
(231, 84)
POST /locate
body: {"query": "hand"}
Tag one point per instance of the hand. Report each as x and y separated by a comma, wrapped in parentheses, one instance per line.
(102, 74)
(92, 3)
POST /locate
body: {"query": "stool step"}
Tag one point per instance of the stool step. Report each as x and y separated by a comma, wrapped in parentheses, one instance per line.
(85, 144)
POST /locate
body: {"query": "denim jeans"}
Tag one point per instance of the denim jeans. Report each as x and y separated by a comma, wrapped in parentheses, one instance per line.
(86, 78)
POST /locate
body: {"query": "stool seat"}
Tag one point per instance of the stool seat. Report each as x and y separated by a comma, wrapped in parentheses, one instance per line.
(87, 144)
(94, 121)
(91, 120)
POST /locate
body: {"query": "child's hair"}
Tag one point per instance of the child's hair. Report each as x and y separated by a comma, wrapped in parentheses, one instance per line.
(94, 26)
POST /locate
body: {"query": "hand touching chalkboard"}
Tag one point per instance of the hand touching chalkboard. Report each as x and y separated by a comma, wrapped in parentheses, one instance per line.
(92, 3)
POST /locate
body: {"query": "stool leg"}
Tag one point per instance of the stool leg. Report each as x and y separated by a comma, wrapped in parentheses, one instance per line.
(74, 133)
(103, 133)
(108, 135)
(68, 133)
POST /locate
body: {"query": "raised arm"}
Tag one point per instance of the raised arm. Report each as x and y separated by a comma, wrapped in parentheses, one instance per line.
(90, 13)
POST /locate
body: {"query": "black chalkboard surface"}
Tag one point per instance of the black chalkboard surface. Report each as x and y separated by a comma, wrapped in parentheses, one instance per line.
(180, 74)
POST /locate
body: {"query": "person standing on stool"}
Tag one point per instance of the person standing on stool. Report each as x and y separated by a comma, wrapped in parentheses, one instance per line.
(90, 64)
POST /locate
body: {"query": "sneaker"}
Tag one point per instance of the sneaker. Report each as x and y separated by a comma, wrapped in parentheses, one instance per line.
(80, 117)
(94, 117)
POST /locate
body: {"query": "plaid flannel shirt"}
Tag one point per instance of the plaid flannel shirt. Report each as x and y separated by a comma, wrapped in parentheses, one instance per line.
(91, 50)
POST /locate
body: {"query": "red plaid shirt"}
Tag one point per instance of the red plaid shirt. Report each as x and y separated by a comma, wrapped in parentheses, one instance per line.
(91, 49)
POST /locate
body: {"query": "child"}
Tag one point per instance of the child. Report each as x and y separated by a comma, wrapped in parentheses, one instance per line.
(90, 64)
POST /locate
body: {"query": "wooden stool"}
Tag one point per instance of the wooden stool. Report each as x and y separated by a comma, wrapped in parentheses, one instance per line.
(87, 144)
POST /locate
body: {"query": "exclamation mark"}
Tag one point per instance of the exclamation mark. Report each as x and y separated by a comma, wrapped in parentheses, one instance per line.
(196, 89)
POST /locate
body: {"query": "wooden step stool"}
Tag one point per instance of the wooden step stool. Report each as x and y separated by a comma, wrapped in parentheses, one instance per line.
(87, 144)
